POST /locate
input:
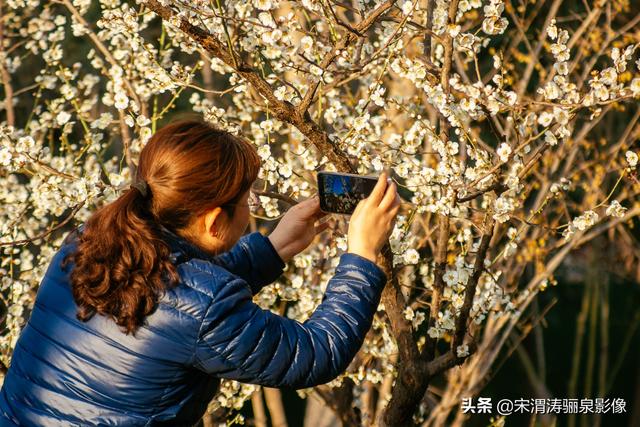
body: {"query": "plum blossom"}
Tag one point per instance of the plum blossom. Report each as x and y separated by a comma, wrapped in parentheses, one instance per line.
(62, 117)
(462, 350)
(503, 152)
(632, 159)
(493, 23)
(615, 209)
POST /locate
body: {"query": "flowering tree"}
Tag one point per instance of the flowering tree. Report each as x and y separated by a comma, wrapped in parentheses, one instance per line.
(510, 135)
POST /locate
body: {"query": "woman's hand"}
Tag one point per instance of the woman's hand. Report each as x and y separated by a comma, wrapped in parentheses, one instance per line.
(297, 228)
(373, 219)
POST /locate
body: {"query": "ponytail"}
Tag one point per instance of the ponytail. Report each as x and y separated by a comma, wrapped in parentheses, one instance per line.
(120, 265)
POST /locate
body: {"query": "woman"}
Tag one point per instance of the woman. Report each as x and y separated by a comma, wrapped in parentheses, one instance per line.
(144, 309)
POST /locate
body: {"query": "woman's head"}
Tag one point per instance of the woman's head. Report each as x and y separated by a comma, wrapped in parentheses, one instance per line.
(198, 181)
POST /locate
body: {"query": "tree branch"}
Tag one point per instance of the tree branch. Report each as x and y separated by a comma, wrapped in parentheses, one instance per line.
(49, 231)
(472, 283)
(6, 77)
(282, 110)
(349, 38)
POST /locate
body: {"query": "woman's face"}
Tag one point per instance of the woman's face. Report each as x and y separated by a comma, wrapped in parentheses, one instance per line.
(237, 223)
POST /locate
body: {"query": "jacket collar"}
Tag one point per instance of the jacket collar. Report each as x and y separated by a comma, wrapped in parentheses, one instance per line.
(182, 247)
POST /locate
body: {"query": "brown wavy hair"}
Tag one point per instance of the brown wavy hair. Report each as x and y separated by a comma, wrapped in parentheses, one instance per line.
(122, 265)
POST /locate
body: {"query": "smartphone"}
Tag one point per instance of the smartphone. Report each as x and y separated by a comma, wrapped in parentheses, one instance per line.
(341, 192)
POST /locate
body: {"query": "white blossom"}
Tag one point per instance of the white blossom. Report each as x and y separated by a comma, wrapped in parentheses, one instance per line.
(63, 117)
(411, 256)
(503, 152)
(632, 159)
(615, 209)
(5, 156)
(407, 7)
(121, 101)
(462, 350)
(635, 86)
(263, 4)
(552, 30)
(545, 118)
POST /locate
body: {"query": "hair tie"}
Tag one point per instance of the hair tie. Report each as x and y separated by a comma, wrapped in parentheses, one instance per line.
(141, 186)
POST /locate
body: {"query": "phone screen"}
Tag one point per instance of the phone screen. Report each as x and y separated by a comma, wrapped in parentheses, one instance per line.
(340, 193)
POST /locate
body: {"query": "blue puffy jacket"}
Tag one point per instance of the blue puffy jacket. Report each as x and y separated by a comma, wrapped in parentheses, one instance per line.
(66, 372)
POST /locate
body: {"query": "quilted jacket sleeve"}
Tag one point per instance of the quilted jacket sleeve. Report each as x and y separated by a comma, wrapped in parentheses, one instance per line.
(240, 341)
(254, 259)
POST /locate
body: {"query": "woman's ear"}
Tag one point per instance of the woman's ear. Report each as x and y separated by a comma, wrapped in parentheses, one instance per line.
(212, 221)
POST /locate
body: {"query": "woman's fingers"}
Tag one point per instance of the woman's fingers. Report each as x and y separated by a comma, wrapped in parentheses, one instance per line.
(378, 191)
(389, 197)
